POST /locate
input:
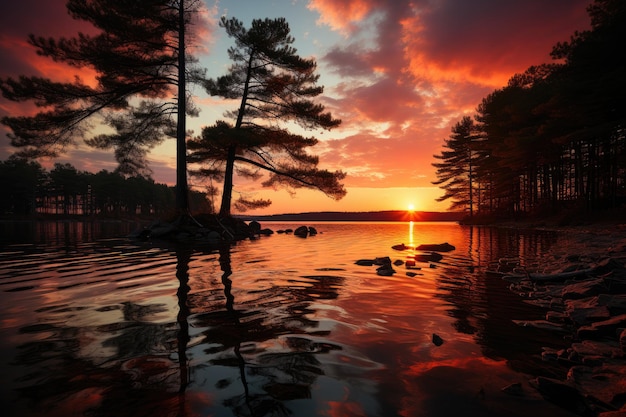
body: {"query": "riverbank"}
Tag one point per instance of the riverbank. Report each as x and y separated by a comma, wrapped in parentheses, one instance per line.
(582, 286)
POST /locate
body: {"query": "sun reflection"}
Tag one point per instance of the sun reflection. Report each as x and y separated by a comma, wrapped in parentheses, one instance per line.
(411, 233)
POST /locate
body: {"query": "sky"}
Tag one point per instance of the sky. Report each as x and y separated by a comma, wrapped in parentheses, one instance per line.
(398, 73)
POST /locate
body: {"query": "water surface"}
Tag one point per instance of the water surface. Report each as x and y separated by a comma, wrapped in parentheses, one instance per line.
(98, 325)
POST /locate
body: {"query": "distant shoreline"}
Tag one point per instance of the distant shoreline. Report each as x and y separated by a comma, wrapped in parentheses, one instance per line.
(369, 216)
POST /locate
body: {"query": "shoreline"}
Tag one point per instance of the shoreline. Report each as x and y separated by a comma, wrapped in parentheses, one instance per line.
(582, 287)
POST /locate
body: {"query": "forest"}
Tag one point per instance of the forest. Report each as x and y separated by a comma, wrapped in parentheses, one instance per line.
(29, 189)
(552, 140)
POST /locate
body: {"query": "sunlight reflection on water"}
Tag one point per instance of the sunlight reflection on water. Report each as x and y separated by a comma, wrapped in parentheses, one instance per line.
(275, 326)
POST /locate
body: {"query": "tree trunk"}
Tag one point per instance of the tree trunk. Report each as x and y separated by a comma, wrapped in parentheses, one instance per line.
(227, 193)
(182, 195)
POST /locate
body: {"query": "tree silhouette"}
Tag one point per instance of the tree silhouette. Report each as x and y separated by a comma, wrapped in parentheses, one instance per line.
(138, 56)
(455, 172)
(274, 86)
(553, 138)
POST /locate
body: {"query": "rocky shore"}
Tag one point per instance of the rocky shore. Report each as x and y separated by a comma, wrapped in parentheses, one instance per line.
(211, 230)
(582, 285)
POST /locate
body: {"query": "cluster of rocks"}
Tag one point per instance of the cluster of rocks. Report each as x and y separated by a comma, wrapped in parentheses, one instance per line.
(210, 229)
(585, 301)
(302, 231)
(385, 265)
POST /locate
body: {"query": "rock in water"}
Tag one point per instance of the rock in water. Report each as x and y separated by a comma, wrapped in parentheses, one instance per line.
(428, 257)
(301, 231)
(401, 246)
(436, 247)
(437, 340)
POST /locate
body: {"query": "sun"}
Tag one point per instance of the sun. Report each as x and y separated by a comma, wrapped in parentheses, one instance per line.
(411, 207)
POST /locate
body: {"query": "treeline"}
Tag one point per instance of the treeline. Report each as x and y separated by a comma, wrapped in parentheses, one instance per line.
(27, 189)
(553, 138)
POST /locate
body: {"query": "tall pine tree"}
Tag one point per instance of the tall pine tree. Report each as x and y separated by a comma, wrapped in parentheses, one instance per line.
(274, 85)
(138, 56)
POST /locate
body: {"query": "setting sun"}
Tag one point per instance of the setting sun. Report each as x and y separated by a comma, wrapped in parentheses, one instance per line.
(411, 207)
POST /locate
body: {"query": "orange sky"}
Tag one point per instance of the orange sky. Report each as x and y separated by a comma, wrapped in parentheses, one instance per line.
(399, 73)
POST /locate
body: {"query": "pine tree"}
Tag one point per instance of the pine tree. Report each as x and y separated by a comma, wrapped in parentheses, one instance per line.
(274, 85)
(138, 55)
(456, 171)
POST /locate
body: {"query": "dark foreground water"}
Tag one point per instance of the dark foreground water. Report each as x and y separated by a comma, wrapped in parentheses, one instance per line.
(97, 325)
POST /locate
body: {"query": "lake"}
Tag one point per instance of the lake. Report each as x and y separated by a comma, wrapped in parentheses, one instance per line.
(98, 325)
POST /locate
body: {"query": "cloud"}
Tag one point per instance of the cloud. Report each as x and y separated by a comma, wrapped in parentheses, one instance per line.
(41, 18)
(411, 69)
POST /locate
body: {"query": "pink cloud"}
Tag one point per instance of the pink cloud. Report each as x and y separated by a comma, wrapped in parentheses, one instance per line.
(340, 15)
(425, 67)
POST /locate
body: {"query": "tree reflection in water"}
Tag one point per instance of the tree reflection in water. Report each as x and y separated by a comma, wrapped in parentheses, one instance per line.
(246, 337)
(125, 357)
(183, 256)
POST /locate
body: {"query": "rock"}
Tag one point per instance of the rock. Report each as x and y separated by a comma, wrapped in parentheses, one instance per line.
(365, 262)
(607, 265)
(549, 355)
(587, 310)
(514, 389)
(602, 328)
(583, 289)
(541, 324)
(411, 274)
(596, 348)
(605, 384)
(437, 340)
(618, 413)
(440, 247)
(616, 282)
(255, 227)
(555, 317)
(398, 262)
(410, 264)
(266, 232)
(428, 257)
(312, 231)
(301, 231)
(562, 394)
(401, 246)
(616, 303)
(383, 260)
(385, 270)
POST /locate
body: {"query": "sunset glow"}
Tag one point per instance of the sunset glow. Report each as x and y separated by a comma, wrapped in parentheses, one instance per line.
(398, 74)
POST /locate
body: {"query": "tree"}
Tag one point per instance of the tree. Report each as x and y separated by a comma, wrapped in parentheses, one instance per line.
(138, 56)
(274, 85)
(20, 181)
(455, 172)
